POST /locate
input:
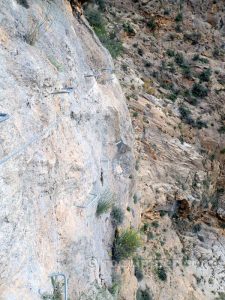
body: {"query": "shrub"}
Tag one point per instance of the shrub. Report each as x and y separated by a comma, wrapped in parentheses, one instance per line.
(138, 272)
(184, 112)
(186, 115)
(117, 215)
(155, 224)
(151, 24)
(200, 124)
(221, 129)
(216, 52)
(179, 59)
(203, 60)
(205, 75)
(135, 198)
(199, 90)
(143, 295)
(185, 260)
(145, 228)
(32, 35)
(188, 97)
(173, 96)
(24, 3)
(101, 4)
(105, 203)
(35, 30)
(170, 52)
(178, 28)
(114, 46)
(116, 284)
(187, 71)
(179, 17)
(196, 228)
(128, 28)
(161, 272)
(195, 57)
(221, 296)
(125, 245)
(222, 151)
(96, 20)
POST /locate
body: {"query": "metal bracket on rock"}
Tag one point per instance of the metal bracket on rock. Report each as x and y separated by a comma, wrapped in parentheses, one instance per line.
(65, 283)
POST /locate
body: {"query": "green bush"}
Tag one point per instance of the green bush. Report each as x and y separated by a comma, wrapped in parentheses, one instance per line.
(110, 41)
(173, 97)
(217, 52)
(114, 46)
(161, 273)
(101, 4)
(179, 59)
(135, 198)
(138, 269)
(199, 90)
(188, 97)
(196, 228)
(186, 115)
(200, 124)
(151, 24)
(196, 57)
(221, 296)
(179, 17)
(117, 215)
(128, 28)
(187, 72)
(205, 75)
(170, 52)
(184, 112)
(178, 28)
(24, 3)
(221, 129)
(95, 19)
(125, 245)
(105, 203)
(222, 151)
(143, 295)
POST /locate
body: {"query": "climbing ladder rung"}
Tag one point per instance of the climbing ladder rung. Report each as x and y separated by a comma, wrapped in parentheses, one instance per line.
(3, 117)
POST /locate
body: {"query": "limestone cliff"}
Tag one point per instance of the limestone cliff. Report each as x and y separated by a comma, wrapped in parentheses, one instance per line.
(59, 151)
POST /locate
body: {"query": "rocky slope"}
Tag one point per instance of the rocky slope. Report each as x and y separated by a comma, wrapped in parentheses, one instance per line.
(172, 71)
(67, 140)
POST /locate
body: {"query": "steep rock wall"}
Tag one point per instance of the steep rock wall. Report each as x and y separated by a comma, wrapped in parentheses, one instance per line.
(58, 151)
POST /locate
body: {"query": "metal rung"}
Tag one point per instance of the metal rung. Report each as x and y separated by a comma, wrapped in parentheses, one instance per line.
(86, 206)
(3, 117)
(64, 91)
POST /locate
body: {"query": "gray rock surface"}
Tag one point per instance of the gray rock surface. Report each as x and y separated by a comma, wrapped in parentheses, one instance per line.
(53, 149)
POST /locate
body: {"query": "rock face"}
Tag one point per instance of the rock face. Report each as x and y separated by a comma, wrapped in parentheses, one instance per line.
(58, 152)
(169, 47)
